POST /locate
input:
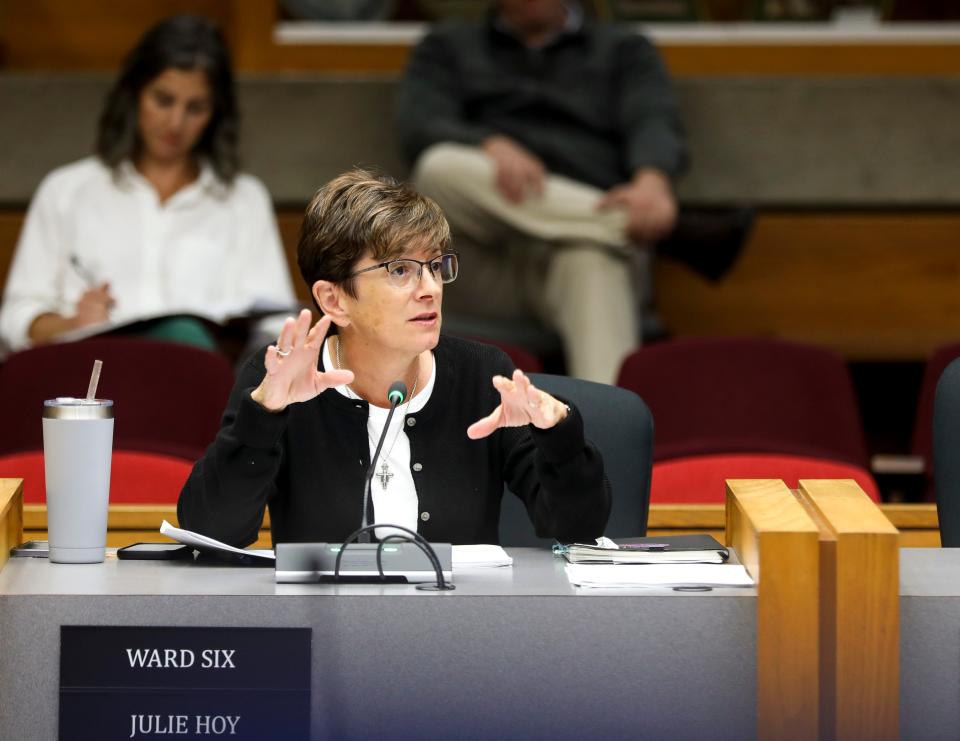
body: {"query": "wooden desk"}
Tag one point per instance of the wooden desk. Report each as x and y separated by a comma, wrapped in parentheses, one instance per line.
(917, 523)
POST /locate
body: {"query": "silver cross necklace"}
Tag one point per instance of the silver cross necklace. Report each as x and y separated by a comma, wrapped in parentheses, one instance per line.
(384, 474)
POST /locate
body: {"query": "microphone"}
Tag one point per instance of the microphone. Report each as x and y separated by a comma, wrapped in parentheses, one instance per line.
(395, 395)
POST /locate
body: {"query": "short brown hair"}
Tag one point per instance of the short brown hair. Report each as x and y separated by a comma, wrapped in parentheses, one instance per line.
(359, 212)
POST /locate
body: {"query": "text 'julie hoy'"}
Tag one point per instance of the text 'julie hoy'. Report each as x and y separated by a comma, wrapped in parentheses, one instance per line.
(174, 725)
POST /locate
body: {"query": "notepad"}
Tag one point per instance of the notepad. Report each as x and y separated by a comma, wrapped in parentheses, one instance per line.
(665, 550)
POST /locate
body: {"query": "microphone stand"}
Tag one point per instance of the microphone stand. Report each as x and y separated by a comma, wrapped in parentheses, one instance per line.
(442, 584)
(396, 396)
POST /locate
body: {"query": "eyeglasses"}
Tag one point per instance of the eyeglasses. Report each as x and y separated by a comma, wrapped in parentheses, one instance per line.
(406, 271)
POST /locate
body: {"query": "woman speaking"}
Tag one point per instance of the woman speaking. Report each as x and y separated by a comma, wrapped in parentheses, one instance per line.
(306, 414)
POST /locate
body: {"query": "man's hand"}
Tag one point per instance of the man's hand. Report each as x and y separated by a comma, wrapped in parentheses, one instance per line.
(521, 403)
(93, 307)
(519, 172)
(649, 202)
(291, 364)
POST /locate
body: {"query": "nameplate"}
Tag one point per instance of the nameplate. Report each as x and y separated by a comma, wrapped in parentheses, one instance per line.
(169, 682)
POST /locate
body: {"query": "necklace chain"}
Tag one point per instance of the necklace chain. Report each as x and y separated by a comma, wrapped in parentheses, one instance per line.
(384, 474)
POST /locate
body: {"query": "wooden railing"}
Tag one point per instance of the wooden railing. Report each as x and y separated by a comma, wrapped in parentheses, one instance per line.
(11, 516)
(131, 523)
(776, 540)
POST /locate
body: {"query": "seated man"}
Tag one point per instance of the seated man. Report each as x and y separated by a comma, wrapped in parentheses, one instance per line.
(551, 143)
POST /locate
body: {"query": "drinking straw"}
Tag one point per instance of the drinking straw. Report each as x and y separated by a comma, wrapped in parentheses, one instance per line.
(94, 380)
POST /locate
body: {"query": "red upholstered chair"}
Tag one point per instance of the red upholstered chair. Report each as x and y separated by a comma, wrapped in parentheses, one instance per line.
(746, 408)
(135, 477)
(700, 478)
(922, 444)
(168, 397)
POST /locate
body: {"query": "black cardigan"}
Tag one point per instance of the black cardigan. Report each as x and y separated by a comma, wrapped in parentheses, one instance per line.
(308, 464)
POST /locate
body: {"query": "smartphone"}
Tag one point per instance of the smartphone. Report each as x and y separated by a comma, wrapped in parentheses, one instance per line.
(155, 551)
(31, 549)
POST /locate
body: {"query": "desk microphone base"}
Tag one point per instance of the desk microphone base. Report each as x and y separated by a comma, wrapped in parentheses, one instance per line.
(403, 562)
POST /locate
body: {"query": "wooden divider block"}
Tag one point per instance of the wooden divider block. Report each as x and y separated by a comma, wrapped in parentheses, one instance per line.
(11, 516)
(859, 611)
(777, 541)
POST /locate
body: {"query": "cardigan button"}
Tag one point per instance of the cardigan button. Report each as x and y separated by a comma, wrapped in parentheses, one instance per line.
(418, 467)
(424, 516)
(411, 421)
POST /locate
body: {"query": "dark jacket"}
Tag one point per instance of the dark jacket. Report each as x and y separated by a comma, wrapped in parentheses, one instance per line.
(308, 464)
(594, 104)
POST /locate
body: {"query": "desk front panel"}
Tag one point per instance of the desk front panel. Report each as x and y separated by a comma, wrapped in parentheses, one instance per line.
(510, 654)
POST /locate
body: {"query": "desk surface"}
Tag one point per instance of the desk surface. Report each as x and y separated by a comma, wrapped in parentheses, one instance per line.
(930, 643)
(930, 572)
(512, 653)
(535, 572)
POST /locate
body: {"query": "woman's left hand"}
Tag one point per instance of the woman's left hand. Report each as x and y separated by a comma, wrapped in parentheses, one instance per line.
(521, 403)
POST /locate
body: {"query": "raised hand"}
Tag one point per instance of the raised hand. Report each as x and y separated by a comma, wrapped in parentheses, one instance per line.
(520, 173)
(291, 364)
(521, 403)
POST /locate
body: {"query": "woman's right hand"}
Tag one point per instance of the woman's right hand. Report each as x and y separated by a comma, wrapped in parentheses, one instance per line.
(291, 364)
(93, 307)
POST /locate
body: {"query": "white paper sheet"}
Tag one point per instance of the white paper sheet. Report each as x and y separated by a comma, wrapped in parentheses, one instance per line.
(667, 575)
(188, 537)
(480, 556)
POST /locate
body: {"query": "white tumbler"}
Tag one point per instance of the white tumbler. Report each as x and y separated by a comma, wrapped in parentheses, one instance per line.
(77, 448)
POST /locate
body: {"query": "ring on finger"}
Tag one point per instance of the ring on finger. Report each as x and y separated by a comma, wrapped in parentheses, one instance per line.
(282, 353)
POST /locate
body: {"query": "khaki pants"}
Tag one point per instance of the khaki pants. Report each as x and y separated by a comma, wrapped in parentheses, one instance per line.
(554, 257)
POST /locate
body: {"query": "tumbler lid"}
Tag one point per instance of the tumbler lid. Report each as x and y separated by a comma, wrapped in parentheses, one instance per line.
(68, 407)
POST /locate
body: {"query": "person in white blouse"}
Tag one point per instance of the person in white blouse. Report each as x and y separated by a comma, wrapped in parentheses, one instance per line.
(160, 222)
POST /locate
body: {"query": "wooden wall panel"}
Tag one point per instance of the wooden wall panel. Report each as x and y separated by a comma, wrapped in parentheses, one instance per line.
(95, 35)
(87, 35)
(873, 286)
(10, 223)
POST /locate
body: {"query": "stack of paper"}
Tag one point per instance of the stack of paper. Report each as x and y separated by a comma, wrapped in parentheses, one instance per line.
(480, 556)
(658, 576)
(662, 549)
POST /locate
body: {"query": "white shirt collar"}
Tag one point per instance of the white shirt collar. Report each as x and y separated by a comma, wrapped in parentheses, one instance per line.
(127, 177)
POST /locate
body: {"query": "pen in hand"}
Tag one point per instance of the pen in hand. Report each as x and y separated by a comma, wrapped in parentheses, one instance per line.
(96, 302)
(83, 272)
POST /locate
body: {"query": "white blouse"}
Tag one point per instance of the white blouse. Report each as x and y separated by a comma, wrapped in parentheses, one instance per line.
(211, 249)
(393, 490)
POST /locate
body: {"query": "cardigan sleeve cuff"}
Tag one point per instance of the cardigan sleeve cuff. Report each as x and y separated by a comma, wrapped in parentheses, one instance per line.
(256, 427)
(564, 441)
